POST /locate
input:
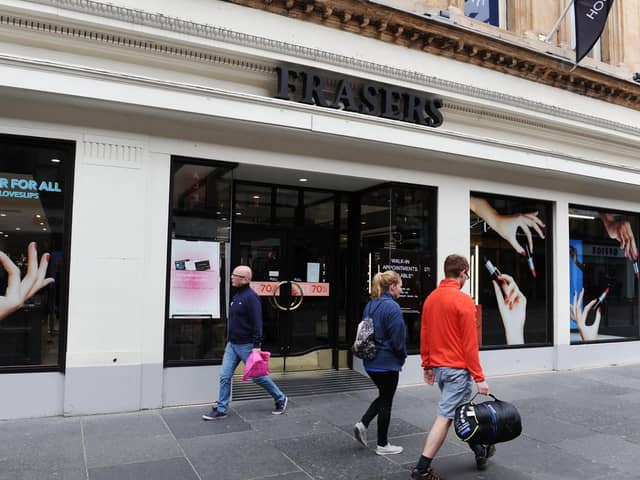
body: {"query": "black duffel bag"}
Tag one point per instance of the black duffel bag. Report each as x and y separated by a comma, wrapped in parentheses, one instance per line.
(488, 422)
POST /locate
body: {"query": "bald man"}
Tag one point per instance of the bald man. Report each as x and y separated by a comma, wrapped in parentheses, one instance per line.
(245, 336)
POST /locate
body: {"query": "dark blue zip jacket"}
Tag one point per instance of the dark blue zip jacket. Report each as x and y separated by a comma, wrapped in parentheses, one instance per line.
(390, 334)
(245, 317)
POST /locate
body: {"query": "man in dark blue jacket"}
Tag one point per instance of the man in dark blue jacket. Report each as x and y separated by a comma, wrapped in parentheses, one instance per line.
(245, 336)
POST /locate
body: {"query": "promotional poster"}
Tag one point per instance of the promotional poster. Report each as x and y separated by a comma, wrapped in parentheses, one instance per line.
(195, 279)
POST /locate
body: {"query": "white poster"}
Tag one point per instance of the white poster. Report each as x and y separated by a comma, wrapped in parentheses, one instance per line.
(195, 278)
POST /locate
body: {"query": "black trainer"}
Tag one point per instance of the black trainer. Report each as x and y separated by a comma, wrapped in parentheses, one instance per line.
(481, 459)
(428, 475)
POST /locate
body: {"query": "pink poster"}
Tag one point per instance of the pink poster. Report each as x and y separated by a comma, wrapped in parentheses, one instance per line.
(195, 278)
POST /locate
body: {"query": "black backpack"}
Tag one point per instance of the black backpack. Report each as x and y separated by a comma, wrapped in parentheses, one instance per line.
(364, 346)
(488, 422)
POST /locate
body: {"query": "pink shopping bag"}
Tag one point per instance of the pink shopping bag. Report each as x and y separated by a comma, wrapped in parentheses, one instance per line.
(257, 365)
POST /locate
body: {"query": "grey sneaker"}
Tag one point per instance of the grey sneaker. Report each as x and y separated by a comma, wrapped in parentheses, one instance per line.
(214, 414)
(388, 449)
(428, 475)
(280, 407)
(360, 432)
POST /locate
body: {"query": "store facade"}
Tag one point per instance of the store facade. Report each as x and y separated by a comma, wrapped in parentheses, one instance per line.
(266, 143)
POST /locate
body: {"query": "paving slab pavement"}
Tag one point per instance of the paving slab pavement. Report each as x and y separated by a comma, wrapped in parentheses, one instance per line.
(581, 425)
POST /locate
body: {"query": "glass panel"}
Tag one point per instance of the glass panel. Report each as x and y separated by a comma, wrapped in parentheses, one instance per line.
(486, 11)
(286, 207)
(35, 176)
(510, 281)
(252, 204)
(319, 208)
(196, 320)
(603, 274)
(398, 233)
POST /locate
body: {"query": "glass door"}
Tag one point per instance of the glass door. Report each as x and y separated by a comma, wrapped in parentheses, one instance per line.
(290, 255)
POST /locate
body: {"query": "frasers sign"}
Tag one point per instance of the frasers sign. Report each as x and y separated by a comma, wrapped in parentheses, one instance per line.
(26, 188)
(310, 87)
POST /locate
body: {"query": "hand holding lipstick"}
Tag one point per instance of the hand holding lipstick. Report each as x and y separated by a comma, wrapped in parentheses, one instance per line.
(513, 308)
(621, 230)
(578, 315)
(507, 225)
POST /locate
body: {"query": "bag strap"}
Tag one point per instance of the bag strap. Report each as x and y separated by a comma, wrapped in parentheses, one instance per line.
(487, 395)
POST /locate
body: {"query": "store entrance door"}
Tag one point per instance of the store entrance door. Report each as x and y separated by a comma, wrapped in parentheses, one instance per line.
(292, 274)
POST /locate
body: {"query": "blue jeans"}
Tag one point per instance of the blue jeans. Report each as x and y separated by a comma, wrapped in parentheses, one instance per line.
(233, 353)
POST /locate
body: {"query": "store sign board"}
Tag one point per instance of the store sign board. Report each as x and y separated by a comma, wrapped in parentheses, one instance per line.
(311, 87)
(593, 250)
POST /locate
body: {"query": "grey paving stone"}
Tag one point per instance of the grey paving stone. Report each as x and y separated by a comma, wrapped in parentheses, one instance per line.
(130, 438)
(628, 430)
(335, 457)
(285, 426)
(552, 430)
(41, 449)
(261, 409)
(538, 459)
(414, 444)
(188, 423)
(286, 476)
(397, 428)
(173, 469)
(236, 456)
(421, 417)
(605, 449)
(463, 467)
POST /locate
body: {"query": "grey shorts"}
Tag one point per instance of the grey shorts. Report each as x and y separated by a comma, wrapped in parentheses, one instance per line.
(455, 385)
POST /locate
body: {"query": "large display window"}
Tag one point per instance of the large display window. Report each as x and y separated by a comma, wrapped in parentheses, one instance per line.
(603, 266)
(200, 223)
(398, 227)
(35, 202)
(510, 270)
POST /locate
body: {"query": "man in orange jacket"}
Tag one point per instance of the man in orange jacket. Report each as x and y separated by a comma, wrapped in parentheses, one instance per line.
(449, 350)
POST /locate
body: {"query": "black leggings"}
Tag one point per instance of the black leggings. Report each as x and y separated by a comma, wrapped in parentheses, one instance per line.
(387, 383)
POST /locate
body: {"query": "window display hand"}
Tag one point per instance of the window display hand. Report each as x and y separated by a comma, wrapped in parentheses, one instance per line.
(578, 315)
(621, 230)
(513, 308)
(19, 291)
(507, 225)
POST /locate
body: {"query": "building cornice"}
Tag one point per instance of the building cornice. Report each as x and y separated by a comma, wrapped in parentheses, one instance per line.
(297, 52)
(402, 28)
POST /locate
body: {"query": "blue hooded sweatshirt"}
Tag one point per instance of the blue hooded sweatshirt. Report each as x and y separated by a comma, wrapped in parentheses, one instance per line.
(390, 334)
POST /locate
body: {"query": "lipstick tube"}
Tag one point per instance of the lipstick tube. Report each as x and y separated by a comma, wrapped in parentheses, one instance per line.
(601, 299)
(491, 268)
(635, 269)
(532, 267)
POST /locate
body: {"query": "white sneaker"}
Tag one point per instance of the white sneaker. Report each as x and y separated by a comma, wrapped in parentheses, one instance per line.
(388, 449)
(360, 432)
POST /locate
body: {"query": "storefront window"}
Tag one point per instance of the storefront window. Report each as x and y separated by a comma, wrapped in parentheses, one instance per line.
(510, 260)
(603, 266)
(35, 193)
(200, 221)
(398, 233)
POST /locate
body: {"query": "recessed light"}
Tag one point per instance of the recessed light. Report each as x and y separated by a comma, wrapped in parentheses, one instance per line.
(55, 160)
(303, 179)
(44, 229)
(5, 235)
(41, 223)
(363, 223)
(238, 213)
(256, 197)
(3, 214)
(38, 215)
(218, 213)
(18, 228)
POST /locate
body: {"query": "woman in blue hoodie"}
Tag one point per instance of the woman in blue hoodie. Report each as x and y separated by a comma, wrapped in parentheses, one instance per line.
(390, 338)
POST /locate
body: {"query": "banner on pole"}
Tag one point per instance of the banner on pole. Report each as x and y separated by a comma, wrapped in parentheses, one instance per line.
(591, 17)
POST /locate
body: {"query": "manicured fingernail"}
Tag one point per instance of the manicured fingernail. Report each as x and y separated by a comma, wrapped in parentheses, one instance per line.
(47, 256)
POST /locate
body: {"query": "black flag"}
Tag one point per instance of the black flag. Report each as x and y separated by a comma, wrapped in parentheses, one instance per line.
(591, 16)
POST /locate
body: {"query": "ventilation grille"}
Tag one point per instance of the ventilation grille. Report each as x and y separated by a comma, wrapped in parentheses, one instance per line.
(299, 384)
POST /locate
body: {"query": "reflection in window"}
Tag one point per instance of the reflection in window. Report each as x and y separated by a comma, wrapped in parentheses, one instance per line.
(485, 11)
(200, 221)
(603, 274)
(510, 258)
(398, 233)
(35, 188)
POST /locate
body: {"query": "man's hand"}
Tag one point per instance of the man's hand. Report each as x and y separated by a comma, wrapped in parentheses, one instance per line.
(429, 376)
(483, 387)
(255, 350)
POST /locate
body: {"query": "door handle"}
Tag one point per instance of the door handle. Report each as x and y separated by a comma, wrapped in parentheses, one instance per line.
(297, 301)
